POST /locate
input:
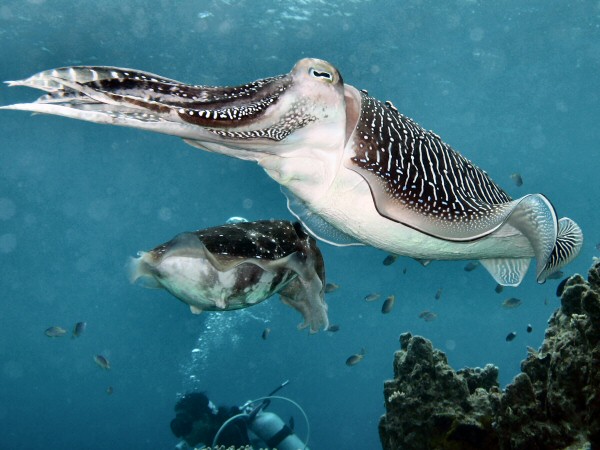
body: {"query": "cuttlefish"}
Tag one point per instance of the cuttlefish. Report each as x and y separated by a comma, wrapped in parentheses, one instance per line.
(239, 265)
(354, 169)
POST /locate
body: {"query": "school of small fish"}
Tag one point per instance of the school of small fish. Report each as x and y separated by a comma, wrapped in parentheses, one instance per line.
(78, 329)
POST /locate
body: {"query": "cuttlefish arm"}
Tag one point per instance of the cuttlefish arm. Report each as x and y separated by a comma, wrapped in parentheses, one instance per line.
(196, 113)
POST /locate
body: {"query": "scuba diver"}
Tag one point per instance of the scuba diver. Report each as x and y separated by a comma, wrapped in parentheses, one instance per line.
(199, 422)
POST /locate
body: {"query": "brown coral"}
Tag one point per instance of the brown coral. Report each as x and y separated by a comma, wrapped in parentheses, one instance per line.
(554, 403)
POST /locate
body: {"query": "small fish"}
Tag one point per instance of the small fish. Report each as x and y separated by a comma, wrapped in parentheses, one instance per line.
(330, 287)
(471, 266)
(428, 316)
(499, 288)
(78, 329)
(372, 297)
(388, 304)
(356, 358)
(55, 332)
(438, 294)
(389, 260)
(333, 328)
(598, 246)
(404, 271)
(517, 178)
(102, 362)
(529, 328)
(510, 336)
(511, 302)
(561, 287)
(555, 275)
(109, 390)
(265, 333)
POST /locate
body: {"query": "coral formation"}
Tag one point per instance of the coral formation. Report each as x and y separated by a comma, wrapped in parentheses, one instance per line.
(554, 403)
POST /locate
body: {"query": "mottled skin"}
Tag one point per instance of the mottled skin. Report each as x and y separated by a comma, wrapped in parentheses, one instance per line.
(238, 265)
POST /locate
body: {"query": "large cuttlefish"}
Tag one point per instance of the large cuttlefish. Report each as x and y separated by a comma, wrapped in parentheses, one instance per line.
(354, 169)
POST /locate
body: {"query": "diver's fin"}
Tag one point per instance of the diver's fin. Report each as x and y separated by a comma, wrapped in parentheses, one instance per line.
(507, 271)
(534, 216)
(318, 227)
(567, 247)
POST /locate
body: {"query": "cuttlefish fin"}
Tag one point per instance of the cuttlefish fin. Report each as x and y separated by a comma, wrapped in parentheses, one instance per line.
(316, 226)
(535, 218)
(567, 246)
(507, 271)
(195, 309)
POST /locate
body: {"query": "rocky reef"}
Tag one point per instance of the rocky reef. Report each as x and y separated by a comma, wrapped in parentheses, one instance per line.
(554, 403)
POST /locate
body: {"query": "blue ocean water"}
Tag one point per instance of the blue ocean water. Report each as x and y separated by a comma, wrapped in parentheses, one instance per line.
(512, 85)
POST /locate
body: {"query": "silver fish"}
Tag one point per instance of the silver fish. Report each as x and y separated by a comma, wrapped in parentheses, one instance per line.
(102, 361)
(361, 172)
(389, 260)
(556, 275)
(511, 303)
(510, 336)
(517, 178)
(428, 316)
(239, 265)
(388, 304)
(471, 266)
(55, 332)
(438, 294)
(372, 297)
(331, 287)
(265, 333)
(356, 358)
(78, 329)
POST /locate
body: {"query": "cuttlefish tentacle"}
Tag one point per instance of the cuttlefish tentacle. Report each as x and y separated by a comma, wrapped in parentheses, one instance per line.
(346, 161)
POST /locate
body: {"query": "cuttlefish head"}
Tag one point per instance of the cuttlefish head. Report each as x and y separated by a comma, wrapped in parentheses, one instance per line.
(252, 116)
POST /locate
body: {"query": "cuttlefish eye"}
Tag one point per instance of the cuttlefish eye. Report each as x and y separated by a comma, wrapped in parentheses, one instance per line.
(321, 74)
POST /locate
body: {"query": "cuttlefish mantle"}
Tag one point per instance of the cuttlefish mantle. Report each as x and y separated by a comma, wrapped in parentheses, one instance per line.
(239, 265)
(355, 170)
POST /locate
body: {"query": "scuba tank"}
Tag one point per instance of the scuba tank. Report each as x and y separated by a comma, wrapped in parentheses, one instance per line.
(270, 428)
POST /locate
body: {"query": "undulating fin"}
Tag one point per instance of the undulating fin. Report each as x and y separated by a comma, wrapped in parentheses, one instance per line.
(507, 271)
(567, 246)
(317, 227)
(534, 216)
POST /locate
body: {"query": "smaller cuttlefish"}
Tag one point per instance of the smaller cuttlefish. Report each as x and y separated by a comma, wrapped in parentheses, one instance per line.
(238, 265)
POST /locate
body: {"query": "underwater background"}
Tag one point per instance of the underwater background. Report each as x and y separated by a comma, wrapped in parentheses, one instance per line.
(512, 85)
